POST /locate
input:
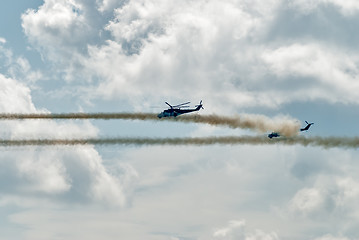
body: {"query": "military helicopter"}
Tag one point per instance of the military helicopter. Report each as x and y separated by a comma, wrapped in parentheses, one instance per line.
(176, 110)
(306, 127)
(273, 134)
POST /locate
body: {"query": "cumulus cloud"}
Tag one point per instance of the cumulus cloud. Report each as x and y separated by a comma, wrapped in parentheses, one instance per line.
(236, 230)
(55, 24)
(322, 71)
(61, 175)
(91, 181)
(156, 45)
(330, 237)
(159, 45)
(148, 47)
(327, 197)
(15, 96)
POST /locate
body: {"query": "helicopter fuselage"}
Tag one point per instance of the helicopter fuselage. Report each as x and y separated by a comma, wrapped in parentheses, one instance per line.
(174, 112)
(273, 134)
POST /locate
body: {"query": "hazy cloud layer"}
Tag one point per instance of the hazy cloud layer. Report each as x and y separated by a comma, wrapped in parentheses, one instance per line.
(255, 187)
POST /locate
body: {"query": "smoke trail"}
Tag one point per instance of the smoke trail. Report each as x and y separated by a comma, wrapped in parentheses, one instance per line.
(106, 116)
(285, 126)
(329, 142)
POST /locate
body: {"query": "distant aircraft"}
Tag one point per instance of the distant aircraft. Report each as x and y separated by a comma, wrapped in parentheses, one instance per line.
(174, 111)
(273, 134)
(306, 127)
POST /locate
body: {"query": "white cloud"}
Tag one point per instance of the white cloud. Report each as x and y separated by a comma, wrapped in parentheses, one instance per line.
(201, 189)
(348, 192)
(57, 29)
(330, 237)
(61, 175)
(68, 175)
(307, 200)
(109, 5)
(208, 50)
(328, 74)
(348, 7)
(92, 181)
(59, 18)
(227, 231)
(236, 230)
(330, 196)
(15, 97)
(191, 181)
(138, 20)
(158, 45)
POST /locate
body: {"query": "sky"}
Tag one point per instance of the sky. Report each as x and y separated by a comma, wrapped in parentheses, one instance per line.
(282, 59)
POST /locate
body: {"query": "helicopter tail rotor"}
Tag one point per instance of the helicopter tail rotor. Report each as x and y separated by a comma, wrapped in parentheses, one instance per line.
(199, 105)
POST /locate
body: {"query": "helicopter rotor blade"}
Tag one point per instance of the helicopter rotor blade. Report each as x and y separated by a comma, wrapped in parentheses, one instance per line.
(181, 104)
(169, 105)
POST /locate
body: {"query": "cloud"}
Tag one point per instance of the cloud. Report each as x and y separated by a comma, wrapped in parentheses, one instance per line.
(55, 24)
(236, 230)
(323, 72)
(181, 182)
(2, 40)
(17, 67)
(92, 182)
(347, 8)
(155, 45)
(64, 176)
(226, 231)
(241, 60)
(109, 5)
(307, 200)
(55, 175)
(330, 237)
(15, 96)
(329, 196)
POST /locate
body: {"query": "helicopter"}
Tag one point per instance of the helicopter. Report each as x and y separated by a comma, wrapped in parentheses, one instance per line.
(273, 134)
(306, 127)
(176, 110)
